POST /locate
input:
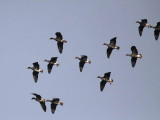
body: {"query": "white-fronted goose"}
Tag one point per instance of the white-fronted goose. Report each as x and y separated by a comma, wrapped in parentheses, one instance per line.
(105, 79)
(54, 103)
(157, 30)
(36, 69)
(111, 46)
(134, 55)
(60, 41)
(142, 24)
(83, 60)
(39, 99)
(51, 62)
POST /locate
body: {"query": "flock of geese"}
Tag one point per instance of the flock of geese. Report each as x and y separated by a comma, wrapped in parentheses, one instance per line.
(84, 59)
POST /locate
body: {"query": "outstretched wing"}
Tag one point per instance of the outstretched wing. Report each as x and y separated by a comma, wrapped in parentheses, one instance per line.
(102, 85)
(43, 105)
(60, 46)
(156, 34)
(158, 24)
(113, 41)
(49, 67)
(35, 76)
(109, 51)
(107, 75)
(36, 65)
(134, 50)
(83, 57)
(59, 35)
(133, 61)
(53, 107)
(144, 20)
(140, 29)
(37, 96)
(81, 65)
(54, 59)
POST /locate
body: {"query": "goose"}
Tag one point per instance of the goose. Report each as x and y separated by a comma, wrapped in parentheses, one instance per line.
(157, 30)
(39, 99)
(142, 24)
(54, 103)
(36, 71)
(134, 55)
(60, 41)
(83, 60)
(51, 62)
(105, 79)
(111, 46)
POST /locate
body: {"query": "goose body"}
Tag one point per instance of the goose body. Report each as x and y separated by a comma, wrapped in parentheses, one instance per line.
(134, 55)
(83, 60)
(104, 80)
(39, 99)
(51, 63)
(111, 46)
(54, 103)
(60, 41)
(143, 23)
(36, 70)
(156, 30)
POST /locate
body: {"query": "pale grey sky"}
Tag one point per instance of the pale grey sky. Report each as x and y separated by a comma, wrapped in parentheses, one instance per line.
(25, 28)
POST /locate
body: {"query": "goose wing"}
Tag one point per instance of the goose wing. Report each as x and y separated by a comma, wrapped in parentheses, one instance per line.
(109, 51)
(81, 65)
(35, 76)
(133, 61)
(140, 29)
(113, 41)
(36, 65)
(59, 36)
(144, 20)
(60, 46)
(107, 75)
(134, 50)
(49, 67)
(102, 85)
(43, 105)
(158, 23)
(156, 34)
(53, 59)
(53, 107)
(83, 57)
(37, 96)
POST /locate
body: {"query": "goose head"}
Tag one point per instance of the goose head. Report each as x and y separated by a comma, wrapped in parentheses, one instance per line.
(99, 77)
(128, 54)
(104, 44)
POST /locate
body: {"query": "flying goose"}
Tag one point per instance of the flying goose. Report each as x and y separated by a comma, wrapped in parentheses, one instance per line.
(142, 24)
(83, 60)
(134, 55)
(39, 99)
(51, 62)
(105, 79)
(54, 103)
(157, 30)
(111, 46)
(60, 41)
(36, 71)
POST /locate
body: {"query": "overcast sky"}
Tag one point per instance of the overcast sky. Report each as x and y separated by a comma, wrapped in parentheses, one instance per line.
(25, 29)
